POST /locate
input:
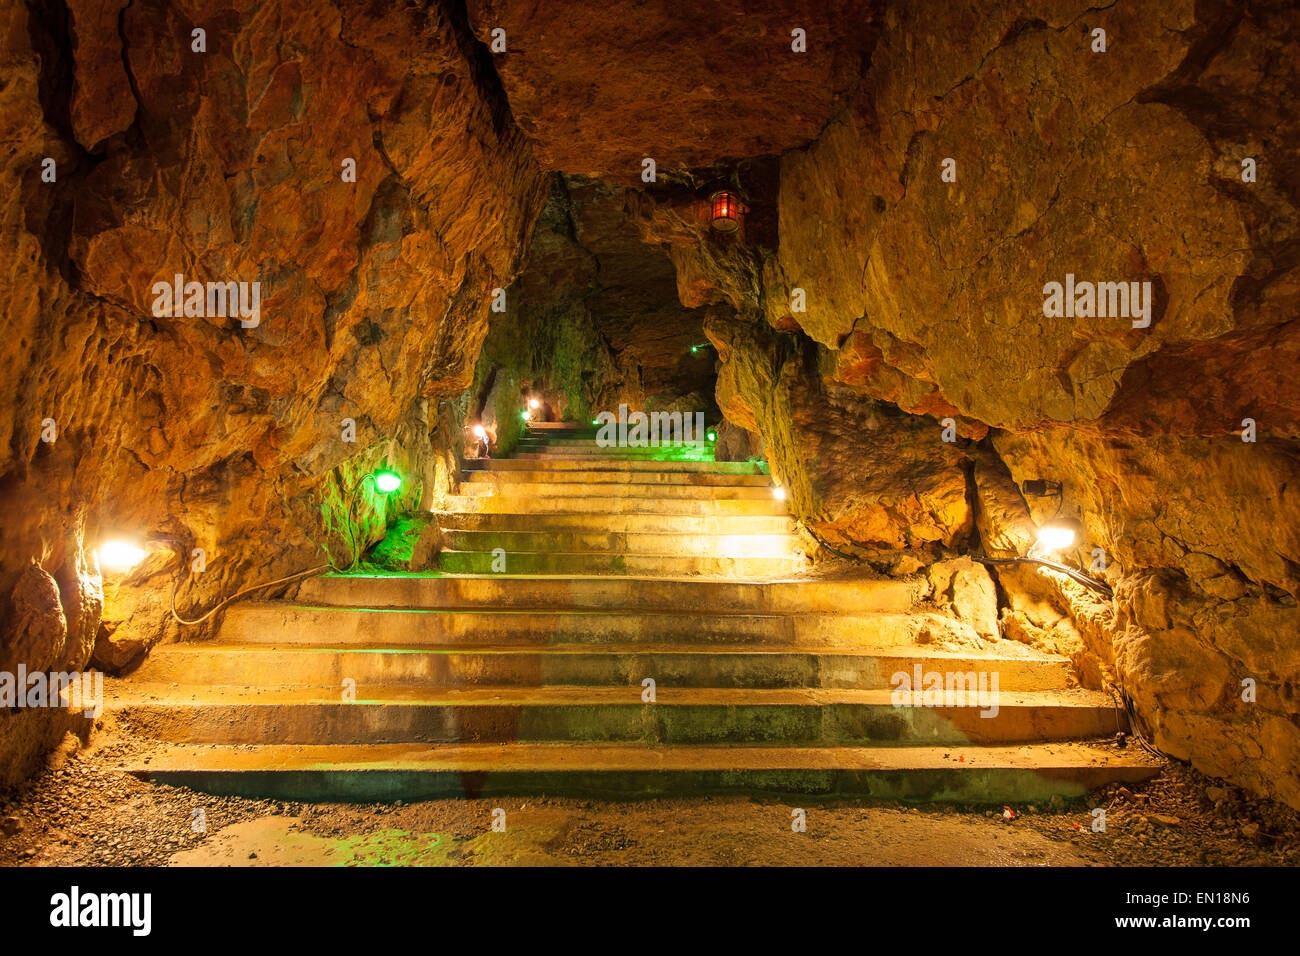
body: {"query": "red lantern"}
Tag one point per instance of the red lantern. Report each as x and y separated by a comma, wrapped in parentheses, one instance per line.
(725, 211)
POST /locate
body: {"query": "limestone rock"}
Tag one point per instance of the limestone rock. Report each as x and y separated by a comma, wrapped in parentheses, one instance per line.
(967, 589)
(38, 630)
(856, 473)
(230, 166)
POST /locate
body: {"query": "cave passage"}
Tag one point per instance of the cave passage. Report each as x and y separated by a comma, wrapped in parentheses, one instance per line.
(474, 402)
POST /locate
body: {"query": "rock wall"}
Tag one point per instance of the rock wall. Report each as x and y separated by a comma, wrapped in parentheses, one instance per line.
(927, 292)
(356, 160)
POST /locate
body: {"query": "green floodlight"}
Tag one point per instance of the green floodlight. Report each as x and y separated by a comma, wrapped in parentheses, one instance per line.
(713, 436)
(387, 481)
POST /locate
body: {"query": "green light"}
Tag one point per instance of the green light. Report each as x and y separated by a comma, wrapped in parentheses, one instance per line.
(387, 481)
(694, 349)
(713, 436)
(595, 421)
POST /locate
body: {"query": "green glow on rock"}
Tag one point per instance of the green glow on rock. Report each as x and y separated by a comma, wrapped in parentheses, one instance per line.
(387, 481)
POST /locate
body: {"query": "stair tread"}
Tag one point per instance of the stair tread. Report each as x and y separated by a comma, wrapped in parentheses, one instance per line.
(893, 652)
(530, 610)
(615, 757)
(140, 693)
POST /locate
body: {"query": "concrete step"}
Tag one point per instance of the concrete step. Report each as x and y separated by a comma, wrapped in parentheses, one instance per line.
(579, 440)
(681, 715)
(618, 491)
(705, 480)
(326, 666)
(502, 591)
(985, 775)
(659, 453)
(539, 463)
(284, 623)
(591, 562)
(600, 504)
(683, 545)
(619, 524)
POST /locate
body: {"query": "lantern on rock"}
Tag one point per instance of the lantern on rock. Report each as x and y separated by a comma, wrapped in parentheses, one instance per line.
(725, 211)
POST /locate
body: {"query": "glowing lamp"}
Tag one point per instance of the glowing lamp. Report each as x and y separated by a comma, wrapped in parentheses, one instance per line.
(724, 211)
(119, 555)
(525, 414)
(1059, 533)
(480, 432)
(713, 436)
(778, 493)
(387, 481)
(534, 403)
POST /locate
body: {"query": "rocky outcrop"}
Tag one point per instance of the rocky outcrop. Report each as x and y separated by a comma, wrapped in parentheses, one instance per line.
(360, 164)
(1125, 165)
(861, 475)
(599, 87)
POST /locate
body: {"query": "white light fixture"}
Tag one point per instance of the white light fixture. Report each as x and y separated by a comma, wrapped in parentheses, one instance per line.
(480, 431)
(778, 493)
(534, 403)
(118, 554)
(1059, 533)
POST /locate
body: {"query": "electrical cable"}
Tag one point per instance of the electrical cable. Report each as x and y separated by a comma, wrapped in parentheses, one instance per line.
(247, 590)
(812, 534)
(353, 550)
(1126, 703)
(1078, 576)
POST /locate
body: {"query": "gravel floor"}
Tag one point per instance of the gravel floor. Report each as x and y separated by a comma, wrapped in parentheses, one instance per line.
(80, 812)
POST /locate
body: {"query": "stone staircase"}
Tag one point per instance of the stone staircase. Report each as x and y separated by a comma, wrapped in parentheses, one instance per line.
(620, 568)
(565, 505)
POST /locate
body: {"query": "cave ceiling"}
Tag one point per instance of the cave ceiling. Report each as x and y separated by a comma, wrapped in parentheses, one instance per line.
(597, 87)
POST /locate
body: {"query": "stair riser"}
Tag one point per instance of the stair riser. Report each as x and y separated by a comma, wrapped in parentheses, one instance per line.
(363, 722)
(620, 524)
(616, 492)
(328, 669)
(484, 562)
(995, 786)
(592, 440)
(358, 591)
(343, 627)
(501, 465)
(524, 504)
(615, 454)
(683, 545)
(502, 479)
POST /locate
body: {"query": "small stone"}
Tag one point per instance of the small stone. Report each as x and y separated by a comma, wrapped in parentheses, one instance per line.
(1216, 794)
(1250, 830)
(1167, 820)
(11, 825)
